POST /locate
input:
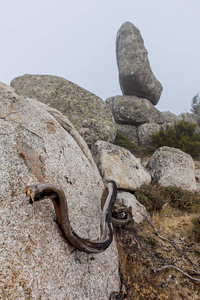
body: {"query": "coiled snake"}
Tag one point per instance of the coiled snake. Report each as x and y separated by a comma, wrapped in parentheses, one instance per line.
(40, 191)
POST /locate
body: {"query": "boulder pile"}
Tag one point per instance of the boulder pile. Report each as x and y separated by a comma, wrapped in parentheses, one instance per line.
(134, 112)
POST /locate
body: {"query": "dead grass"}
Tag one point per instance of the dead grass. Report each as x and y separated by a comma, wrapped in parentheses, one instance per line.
(141, 250)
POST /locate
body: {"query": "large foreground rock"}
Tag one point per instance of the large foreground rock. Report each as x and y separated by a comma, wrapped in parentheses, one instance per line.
(88, 113)
(171, 166)
(118, 164)
(132, 110)
(37, 143)
(135, 74)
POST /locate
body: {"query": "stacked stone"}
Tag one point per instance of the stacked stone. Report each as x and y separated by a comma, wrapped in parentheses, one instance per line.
(134, 112)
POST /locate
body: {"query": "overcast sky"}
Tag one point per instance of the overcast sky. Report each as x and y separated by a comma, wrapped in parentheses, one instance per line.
(76, 40)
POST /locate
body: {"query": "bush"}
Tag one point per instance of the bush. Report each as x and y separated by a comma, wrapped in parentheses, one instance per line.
(153, 197)
(181, 135)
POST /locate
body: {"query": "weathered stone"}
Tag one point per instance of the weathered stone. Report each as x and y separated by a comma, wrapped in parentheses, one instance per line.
(188, 117)
(135, 74)
(133, 110)
(145, 132)
(129, 131)
(118, 164)
(37, 143)
(138, 210)
(169, 117)
(88, 113)
(171, 166)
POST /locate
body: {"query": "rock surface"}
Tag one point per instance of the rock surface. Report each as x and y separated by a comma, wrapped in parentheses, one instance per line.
(145, 132)
(118, 164)
(171, 166)
(135, 74)
(187, 117)
(88, 113)
(133, 110)
(37, 143)
(169, 117)
(138, 210)
(129, 131)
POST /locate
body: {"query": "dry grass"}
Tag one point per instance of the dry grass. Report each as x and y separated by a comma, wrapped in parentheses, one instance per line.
(141, 250)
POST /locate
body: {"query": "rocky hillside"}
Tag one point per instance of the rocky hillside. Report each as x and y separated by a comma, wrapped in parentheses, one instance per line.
(155, 255)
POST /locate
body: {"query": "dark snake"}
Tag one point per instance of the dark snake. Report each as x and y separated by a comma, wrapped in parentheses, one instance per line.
(40, 191)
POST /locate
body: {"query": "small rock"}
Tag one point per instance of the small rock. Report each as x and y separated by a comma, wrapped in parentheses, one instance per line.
(138, 210)
(118, 164)
(171, 166)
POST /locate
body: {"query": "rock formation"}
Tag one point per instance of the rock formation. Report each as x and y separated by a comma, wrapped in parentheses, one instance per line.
(135, 75)
(38, 143)
(132, 110)
(88, 113)
(171, 166)
(137, 118)
(118, 164)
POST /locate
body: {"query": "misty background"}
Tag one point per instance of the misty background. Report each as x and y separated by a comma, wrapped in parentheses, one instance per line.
(76, 40)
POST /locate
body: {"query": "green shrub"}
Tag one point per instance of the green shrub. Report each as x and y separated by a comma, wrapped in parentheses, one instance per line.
(181, 135)
(153, 197)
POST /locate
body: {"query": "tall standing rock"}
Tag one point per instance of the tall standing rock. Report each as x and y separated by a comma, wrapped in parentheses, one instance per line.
(135, 74)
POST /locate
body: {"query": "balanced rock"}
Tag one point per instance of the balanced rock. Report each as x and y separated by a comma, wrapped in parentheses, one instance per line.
(39, 144)
(135, 74)
(133, 110)
(88, 113)
(118, 164)
(171, 166)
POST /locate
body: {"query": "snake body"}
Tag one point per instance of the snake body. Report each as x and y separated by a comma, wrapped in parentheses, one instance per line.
(40, 191)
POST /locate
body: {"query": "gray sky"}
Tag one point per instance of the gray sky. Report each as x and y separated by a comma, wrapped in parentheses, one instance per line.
(76, 40)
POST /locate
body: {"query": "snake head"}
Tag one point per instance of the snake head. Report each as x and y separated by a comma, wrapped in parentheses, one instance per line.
(31, 192)
(39, 191)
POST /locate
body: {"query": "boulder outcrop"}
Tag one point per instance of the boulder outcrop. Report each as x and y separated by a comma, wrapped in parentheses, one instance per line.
(88, 113)
(135, 74)
(132, 110)
(118, 164)
(135, 117)
(171, 166)
(38, 143)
